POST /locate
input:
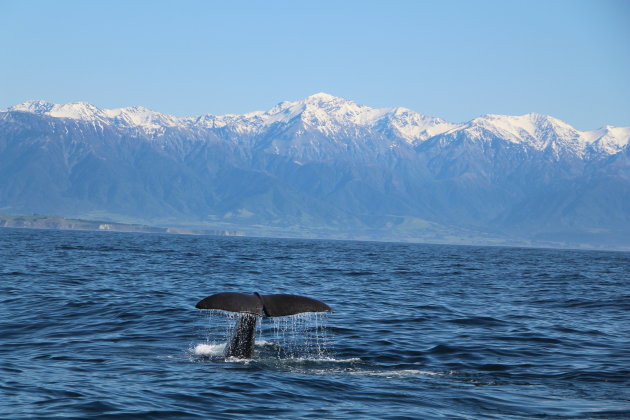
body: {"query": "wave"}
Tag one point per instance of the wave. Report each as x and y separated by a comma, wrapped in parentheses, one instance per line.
(401, 372)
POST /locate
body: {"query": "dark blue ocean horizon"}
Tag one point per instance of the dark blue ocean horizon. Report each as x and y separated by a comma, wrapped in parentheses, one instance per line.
(103, 325)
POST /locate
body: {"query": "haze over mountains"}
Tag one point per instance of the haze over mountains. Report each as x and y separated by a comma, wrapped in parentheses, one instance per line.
(322, 167)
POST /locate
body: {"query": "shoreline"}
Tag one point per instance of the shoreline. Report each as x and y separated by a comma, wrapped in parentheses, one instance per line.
(61, 223)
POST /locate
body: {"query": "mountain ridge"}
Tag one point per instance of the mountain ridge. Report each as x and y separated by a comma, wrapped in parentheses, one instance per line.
(323, 111)
(322, 167)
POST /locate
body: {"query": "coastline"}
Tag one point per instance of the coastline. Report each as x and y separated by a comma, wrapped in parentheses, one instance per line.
(37, 221)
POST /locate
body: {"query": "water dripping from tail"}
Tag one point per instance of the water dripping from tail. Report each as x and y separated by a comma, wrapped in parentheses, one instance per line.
(298, 323)
(301, 336)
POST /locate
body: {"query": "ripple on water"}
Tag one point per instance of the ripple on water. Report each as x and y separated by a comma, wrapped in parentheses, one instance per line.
(104, 325)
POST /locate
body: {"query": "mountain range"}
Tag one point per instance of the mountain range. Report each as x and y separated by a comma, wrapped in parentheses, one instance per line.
(323, 167)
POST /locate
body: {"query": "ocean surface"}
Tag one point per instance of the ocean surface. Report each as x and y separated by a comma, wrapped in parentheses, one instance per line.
(104, 325)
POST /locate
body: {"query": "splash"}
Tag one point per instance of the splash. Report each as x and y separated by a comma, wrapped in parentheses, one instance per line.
(208, 349)
(298, 337)
(302, 336)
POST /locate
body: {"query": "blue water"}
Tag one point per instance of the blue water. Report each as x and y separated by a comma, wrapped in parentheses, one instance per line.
(104, 325)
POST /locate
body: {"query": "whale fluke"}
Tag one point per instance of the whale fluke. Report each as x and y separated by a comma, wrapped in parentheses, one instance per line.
(251, 307)
(233, 302)
(257, 304)
(284, 305)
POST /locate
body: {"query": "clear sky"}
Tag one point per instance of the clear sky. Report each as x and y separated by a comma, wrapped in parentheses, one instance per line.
(452, 59)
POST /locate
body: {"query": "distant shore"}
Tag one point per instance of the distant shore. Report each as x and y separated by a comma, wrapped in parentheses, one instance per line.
(37, 221)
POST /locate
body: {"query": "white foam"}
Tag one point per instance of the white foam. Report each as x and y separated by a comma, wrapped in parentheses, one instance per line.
(238, 360)
(402, 372)
(218, 349)
(324, 359)
(209, 349)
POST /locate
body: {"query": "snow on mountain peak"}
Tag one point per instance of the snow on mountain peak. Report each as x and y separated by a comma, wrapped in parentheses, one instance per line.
(608, 139)
(77, 111)
(131, 116)
(537, 130)
(414, 127)
(323, 97)
(74, 110)
(319, 101)
(144, 117)
(331, 115)
(36, 107)
(545, 132)
(340, 118)
(323, 112)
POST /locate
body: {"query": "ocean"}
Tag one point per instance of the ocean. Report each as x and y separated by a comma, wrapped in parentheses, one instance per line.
(104, 325)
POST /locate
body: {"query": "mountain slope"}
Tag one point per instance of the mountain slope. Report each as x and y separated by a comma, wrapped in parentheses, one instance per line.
(322, 166)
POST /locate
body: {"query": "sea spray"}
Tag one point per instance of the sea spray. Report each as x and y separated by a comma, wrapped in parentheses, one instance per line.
(301, 336)
(219, 327)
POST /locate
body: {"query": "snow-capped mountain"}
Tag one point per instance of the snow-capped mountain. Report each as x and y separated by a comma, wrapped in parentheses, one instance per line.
(136, 116)
(333, 116)
(322, 164)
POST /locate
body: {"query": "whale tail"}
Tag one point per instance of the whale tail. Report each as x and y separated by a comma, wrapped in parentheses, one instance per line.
(251, 307)
(268, 305)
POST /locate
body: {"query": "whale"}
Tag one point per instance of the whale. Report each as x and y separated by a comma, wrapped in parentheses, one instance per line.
(251, 307)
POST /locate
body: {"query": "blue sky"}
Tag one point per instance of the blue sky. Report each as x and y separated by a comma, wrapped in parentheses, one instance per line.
(452, 59)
